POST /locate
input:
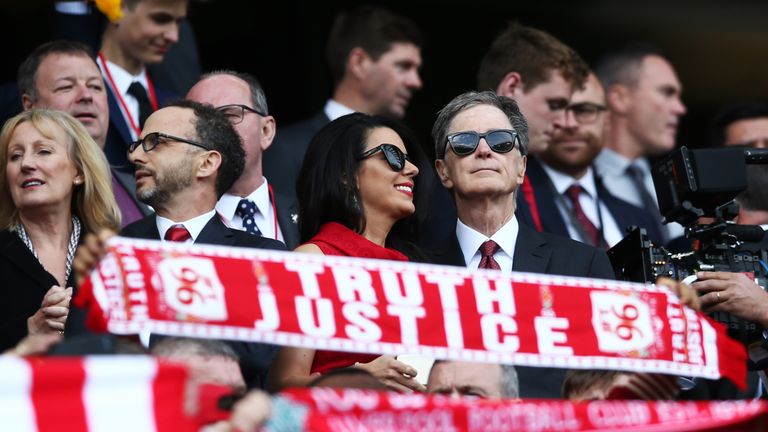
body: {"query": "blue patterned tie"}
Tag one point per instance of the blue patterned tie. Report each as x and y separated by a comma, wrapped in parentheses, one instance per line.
(246, 209)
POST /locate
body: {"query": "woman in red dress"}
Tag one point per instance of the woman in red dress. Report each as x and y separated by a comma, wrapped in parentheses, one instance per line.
(356, 194)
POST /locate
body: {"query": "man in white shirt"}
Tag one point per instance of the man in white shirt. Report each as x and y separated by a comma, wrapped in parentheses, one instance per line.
(481, 142)
(571, 199)
(142, 36)
(374, 57)
(272, 214)
(643, 98)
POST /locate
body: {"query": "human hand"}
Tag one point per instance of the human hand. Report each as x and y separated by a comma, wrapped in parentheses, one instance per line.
(734, 293)
(89, 253)
(394, 374)
(35, 344)
(52, 313)
(688, 296)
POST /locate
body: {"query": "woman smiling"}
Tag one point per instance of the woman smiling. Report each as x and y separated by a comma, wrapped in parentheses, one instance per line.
(358, 191)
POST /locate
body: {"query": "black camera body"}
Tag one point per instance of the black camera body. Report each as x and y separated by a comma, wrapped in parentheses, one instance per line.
(691, 184)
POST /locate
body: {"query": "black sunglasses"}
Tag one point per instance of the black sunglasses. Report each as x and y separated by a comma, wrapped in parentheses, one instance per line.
(394, 156)
(151, 140)
(499, 140)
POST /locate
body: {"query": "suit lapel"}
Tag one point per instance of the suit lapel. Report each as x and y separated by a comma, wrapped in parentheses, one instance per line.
(116, 118)
(288, 219)
(216, 233)
(551, 219)
(532, 253)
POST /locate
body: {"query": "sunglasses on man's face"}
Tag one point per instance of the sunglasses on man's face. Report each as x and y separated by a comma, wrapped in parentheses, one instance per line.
(394, 156)
(499, 140)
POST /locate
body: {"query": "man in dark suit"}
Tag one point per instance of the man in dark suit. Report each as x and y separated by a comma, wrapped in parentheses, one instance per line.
(571, 200)
(188, 156)
(62, 75)
(374, 58)
(481, 141)
(251, 204)
(141, 37)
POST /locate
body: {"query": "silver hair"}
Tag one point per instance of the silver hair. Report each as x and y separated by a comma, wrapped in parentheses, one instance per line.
(258, 97)
(468, 100)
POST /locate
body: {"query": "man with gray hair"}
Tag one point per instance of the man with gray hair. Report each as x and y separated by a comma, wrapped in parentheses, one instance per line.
(251, 204)
(482, 380)
(481, 142)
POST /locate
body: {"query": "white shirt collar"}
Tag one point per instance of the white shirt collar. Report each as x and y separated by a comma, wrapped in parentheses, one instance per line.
(194, 225)
(227, 205)
(608, 161)
(335, 110)
(563, 181)
(123, 79)
(506, 237)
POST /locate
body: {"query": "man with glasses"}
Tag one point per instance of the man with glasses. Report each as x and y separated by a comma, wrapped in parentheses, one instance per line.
(187, 157)
(251, 204)
(644, 109)
(572, 200)
(481, 143)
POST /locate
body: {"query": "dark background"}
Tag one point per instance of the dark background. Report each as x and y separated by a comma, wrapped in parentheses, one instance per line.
(719, 48)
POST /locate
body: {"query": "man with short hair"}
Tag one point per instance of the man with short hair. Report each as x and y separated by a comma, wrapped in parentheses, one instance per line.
(481, 380)
(187, 157)
(374, 57)
(481, 144)
(744, 124)
(540, 73)
(146, 31)
(209, 361)
(572, 200)
(251, 204)
(62, 75)
(643, 95)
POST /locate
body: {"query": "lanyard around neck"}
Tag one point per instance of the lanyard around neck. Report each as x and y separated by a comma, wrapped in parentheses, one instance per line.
(152, 96)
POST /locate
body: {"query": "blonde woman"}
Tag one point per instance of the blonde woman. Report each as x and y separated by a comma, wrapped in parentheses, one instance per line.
(54, 187)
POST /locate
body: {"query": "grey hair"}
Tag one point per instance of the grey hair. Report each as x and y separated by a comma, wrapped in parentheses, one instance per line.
(258, 97)
(181, 346)
(510, 386)
(471, 99)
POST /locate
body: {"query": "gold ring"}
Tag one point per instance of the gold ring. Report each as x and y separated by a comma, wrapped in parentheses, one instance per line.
(718, 297)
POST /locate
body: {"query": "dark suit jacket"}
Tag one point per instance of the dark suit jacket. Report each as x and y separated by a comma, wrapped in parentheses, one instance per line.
(549, 254)
(282, 160)
(23, 284)
(288, 218)
(118, 134)
(624, 213)
(255, 358)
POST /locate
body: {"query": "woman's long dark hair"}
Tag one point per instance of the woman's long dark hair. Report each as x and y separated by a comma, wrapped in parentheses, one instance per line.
(327, 187)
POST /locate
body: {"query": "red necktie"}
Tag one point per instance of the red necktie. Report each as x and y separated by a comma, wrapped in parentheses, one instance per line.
(487, 249)
(593, 234)
(177, 233)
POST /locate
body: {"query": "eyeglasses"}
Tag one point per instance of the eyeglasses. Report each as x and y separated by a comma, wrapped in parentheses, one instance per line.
(499, 140)
(236, 112)
(394, 156)
(587, 112)
(151, 140)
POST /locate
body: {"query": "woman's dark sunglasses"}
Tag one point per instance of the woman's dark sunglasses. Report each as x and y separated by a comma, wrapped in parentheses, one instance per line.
(499, 140)
(394, 156)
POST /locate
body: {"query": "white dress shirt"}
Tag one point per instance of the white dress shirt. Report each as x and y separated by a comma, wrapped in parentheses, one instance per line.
(335, 110)
(123, 79)
(264, 217)
(611, 231)
(612, 167)
(194, 225)
(470, 241)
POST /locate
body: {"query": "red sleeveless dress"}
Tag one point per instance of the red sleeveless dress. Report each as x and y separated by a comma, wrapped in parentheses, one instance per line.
(336, 239)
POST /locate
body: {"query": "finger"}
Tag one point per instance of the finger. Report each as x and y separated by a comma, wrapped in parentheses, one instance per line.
(709, 286)
(714, 275)
(55, 325)
(711, 299)
(54, 298)
(55, 311)
(402, 368)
